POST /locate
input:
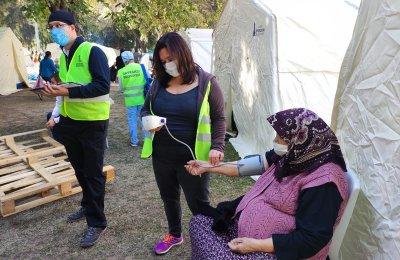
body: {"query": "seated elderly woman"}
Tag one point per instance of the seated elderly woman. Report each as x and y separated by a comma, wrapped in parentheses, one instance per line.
(292, 209)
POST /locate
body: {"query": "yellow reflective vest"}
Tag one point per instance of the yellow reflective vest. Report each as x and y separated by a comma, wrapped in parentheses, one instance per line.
(85, 109)
(133, 82)
(203, 134)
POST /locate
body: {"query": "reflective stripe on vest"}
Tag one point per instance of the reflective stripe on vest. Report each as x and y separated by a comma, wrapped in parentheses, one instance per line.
(103, 98)
(87, 109)
(203, 134)
(133, 82)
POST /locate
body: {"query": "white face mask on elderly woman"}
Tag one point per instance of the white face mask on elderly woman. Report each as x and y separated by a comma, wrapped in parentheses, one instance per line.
(171, 69)
(280, 149)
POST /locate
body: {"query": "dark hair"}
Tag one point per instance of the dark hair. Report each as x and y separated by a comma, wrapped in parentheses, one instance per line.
(47, 54)
(179, 50)
(62, 16)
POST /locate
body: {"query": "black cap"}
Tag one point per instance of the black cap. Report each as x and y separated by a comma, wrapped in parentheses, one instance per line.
(62, 16)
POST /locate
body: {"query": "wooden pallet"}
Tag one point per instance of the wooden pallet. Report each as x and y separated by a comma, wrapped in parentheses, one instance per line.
(32, 176)
(26, 143)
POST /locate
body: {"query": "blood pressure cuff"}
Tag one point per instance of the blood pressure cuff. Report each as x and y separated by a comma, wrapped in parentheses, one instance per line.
(251, 165)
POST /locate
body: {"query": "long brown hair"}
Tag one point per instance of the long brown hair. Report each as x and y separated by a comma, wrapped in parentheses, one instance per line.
(179, 50)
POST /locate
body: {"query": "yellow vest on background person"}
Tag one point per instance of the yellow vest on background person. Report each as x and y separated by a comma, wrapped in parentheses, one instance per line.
(133, 83)
(203, 133)
(84, 109)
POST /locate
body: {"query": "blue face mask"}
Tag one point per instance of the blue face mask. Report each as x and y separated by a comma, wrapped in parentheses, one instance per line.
(59, 36)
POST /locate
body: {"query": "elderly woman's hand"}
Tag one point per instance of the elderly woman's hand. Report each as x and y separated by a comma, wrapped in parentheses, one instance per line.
(214, 157)
(196, 167)
(244, 245)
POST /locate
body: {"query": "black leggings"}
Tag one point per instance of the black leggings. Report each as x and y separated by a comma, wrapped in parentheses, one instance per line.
(170, 177)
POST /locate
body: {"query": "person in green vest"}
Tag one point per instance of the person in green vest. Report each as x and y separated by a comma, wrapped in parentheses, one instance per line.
(132, 82)
(84, 114)
(192, 102)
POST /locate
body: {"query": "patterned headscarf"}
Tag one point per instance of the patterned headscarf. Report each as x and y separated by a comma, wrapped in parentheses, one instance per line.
(311, 142)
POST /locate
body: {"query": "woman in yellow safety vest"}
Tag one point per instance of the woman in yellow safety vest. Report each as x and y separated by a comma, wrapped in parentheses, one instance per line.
(193, 104)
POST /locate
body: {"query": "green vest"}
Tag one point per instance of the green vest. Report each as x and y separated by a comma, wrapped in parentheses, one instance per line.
(203, 134)
(133, 82)
(85, 109)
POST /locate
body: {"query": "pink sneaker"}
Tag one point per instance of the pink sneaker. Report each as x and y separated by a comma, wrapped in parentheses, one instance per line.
(167, 243)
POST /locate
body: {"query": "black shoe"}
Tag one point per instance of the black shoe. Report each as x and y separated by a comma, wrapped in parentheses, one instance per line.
(91, 236)
(80, 214)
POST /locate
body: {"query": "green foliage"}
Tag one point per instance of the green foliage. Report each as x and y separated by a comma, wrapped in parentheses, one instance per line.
(39, 11)
(149, 19)
(13, 17)
(116, 23)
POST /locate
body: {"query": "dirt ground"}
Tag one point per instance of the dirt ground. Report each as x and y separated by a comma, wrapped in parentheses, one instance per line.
(134, 210)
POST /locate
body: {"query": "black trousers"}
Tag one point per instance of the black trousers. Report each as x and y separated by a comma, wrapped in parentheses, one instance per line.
(85, 142)
(170, 177)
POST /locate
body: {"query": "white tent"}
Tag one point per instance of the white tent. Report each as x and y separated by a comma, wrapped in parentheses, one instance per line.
(366, 119)
(13, 71)
(110, 53)
(276, 54)
(200, 42)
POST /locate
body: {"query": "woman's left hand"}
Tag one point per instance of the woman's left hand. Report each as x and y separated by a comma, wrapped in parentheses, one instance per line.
(214, 157)
(243, 245)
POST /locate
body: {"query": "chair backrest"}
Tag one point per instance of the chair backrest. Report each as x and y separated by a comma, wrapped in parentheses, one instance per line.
(340, 230)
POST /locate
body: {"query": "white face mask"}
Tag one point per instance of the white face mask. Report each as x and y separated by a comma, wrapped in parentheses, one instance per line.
(280, 149)
(171, 69)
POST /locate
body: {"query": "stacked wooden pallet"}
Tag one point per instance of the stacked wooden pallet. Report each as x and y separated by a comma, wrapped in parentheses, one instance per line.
(34, 170)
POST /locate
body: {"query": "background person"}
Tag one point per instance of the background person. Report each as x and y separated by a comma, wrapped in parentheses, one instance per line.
(119, 62)
(113, 72)
(56, 63)
(84, 115)
(193, 104)
(132, 82)
(292, 209)
(47, 67)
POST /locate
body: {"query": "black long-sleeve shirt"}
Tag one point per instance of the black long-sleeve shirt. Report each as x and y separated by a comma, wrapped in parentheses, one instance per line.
(98, 67)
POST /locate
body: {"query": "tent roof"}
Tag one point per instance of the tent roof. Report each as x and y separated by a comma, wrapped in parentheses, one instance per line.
(12, 67)
(272, 55)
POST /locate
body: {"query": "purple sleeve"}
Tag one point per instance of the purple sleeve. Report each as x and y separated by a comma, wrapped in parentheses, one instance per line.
(217, 114)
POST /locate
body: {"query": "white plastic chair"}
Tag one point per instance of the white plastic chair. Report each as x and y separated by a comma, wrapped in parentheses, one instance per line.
(340, 230)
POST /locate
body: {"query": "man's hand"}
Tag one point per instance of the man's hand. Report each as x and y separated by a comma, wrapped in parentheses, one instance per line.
(50, 124)
(54, 90)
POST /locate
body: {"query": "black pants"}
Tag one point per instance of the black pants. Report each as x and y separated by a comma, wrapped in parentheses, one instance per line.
(85, 144)
(170, 177)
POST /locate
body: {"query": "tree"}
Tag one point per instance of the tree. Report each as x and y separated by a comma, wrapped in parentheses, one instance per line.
(90, 14)
(149, 19)
(116, 23)
(14, 18)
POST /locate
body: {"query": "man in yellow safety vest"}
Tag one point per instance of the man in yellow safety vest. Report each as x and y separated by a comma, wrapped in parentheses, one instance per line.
(84, 115)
